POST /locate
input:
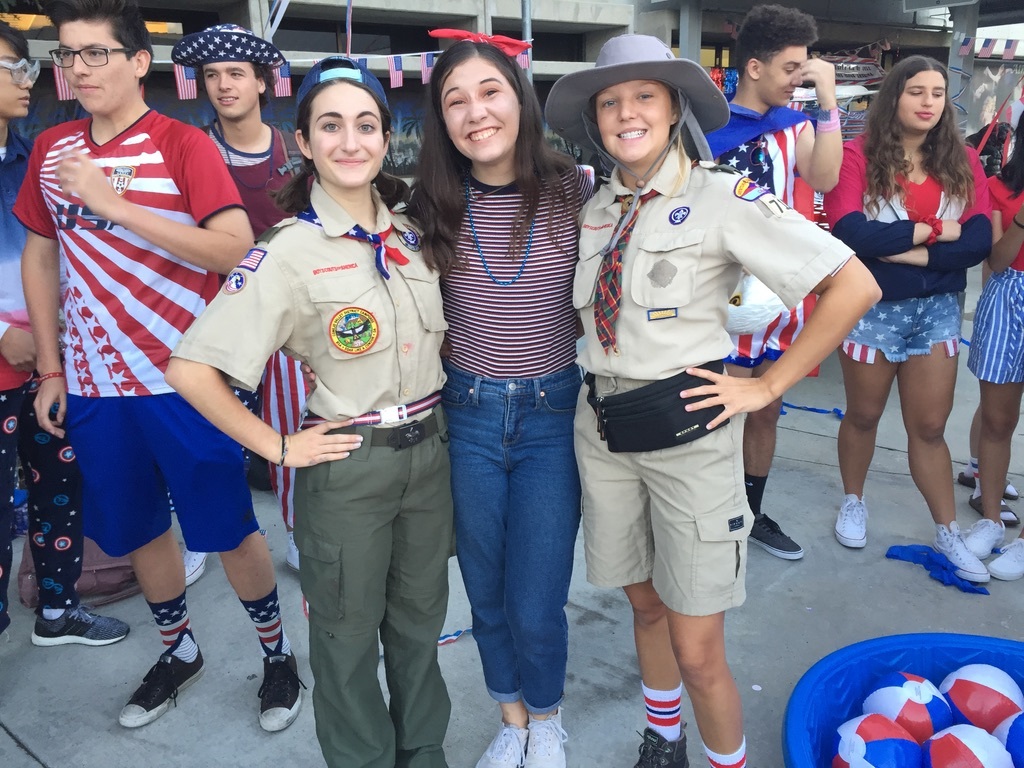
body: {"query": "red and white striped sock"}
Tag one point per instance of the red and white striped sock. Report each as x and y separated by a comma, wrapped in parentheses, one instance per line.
(663, 711)
(737, 759)
(266, 616)
(175, 631)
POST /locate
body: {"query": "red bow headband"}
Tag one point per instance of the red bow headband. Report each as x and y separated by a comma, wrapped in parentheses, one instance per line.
(507, 45)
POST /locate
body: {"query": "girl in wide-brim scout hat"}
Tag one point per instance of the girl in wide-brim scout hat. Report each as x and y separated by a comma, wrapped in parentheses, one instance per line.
(662, 246)
(343, 287)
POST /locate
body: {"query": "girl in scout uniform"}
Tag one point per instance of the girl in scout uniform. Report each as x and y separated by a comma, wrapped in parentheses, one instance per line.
(662, 245)
(499, 210)
(343, 287)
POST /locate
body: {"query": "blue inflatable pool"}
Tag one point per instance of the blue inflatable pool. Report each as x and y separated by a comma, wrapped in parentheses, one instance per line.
(832, 691)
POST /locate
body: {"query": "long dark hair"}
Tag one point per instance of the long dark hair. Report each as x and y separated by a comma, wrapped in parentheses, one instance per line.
(943, 149)
(293, 197)
(438, 198)
(1012, 174)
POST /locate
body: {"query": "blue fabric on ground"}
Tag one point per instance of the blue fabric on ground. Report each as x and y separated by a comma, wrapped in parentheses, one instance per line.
(937, 565)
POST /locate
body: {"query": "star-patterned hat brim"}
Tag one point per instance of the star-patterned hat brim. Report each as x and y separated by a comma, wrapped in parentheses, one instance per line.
(225, 42)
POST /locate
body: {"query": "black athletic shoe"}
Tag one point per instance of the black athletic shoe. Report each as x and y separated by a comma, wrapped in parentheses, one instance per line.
(657, 752)
(769, 537)
(280, 697)
(79, 626)
(159, 689)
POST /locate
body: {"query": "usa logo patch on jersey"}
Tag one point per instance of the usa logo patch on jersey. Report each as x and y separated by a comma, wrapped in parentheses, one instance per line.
(121, 177)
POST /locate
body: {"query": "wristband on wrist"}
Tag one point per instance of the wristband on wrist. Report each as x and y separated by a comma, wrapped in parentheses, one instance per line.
(53, 375)
(828, 120)
(936, 224)
(284, 449)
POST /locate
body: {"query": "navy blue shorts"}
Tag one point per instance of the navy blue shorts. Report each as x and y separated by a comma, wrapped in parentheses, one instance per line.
(132, 450)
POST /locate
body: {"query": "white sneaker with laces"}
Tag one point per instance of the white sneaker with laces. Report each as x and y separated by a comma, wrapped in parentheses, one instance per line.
(545, 749)
(292, 558)
(195, 565)
(1009, 566)
(852, 523)
(983, 537)
(508, 750)
(950, 542)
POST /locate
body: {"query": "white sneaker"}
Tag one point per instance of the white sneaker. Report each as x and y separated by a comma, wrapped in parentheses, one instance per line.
(950, 542)
(292, 558)
(546, 739)
(983, 537)
(508, 750)
(852, 523)
(1009, 566)
(195, 565)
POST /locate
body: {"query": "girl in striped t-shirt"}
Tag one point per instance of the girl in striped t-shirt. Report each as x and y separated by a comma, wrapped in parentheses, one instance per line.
(498, 209)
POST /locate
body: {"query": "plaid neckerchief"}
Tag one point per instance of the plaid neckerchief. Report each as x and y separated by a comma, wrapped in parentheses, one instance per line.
(608, 295)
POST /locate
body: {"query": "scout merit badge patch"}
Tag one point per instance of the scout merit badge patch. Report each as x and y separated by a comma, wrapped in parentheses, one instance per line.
(353, 330)
(121, 177)
(235, 281)
(768, 203)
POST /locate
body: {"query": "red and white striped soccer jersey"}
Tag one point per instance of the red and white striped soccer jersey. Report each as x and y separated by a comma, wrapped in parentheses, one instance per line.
(126, 301)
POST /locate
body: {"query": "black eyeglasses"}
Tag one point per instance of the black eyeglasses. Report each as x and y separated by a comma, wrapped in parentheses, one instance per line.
(93, 56)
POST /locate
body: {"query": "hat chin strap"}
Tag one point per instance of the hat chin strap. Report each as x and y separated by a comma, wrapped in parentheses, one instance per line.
(687, 118)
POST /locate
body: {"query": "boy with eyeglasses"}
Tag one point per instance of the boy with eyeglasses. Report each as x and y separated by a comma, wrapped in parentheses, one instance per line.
(51, 472)
(773, 145)
(139, 214)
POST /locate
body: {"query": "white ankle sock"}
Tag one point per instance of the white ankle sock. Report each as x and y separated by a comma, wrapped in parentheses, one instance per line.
(737, 759)
(51, 614)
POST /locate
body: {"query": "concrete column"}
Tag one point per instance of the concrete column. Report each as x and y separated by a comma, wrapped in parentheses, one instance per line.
(689, 29)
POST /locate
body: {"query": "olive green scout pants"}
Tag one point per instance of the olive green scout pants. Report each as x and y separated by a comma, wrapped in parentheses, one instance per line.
(374, 533)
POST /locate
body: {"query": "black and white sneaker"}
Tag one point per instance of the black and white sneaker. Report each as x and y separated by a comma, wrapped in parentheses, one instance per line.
(280, 697)
(767, 534)
(658, 752)
(160, 688)
(77, 625)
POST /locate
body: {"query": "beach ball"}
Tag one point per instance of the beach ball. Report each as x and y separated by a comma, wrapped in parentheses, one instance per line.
(1010, 733)
(873, 741)
(910, 701)
(965, 746)
(982, 695)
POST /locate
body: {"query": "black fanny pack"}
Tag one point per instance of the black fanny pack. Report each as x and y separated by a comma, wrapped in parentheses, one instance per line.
(654, 416)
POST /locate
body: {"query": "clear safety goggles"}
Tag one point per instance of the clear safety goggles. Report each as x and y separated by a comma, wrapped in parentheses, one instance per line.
(22, 71)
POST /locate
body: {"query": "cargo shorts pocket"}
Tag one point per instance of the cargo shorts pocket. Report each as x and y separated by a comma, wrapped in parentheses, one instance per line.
(720, 552)
(322, 580)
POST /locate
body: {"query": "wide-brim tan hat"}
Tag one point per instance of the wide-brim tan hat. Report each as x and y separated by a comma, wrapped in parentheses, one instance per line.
(625, 58)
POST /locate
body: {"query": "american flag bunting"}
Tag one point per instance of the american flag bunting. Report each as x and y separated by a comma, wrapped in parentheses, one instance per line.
(185, 82)
(426, 66)
(64, 92)
(283, 81)
(395, 69)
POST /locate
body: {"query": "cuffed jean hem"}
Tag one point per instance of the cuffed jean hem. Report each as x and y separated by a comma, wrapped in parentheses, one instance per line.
(512, 698)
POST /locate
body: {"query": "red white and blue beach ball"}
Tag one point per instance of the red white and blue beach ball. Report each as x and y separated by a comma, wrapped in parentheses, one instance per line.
(965, 746)
(912, 702)
(982, 695)
(874, 741)
(1010, 733)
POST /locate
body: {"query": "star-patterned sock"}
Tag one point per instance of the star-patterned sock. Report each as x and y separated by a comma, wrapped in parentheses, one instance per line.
(266, 615)
(176, 632)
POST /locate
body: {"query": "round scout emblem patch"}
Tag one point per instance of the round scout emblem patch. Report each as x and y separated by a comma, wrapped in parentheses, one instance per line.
(411, 240)
(678, 215)
(234, 282)
(353, 330)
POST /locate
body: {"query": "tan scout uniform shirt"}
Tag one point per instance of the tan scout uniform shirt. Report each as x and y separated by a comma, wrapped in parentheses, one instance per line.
(373, 343)
(682, 264)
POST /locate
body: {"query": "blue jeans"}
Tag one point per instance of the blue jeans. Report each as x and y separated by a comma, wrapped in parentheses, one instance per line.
(517, 511)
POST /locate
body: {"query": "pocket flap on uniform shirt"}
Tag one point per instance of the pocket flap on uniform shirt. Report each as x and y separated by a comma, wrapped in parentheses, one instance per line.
(670, 241)
(717, 527)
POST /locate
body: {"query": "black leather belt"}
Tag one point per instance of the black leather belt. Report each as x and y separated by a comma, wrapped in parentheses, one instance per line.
(406, 435)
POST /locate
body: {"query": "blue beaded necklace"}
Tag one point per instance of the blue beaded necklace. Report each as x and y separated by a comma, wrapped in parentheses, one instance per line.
(479, 250)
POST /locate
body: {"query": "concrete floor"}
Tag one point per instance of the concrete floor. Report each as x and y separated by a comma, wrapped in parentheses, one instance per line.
(59, 706)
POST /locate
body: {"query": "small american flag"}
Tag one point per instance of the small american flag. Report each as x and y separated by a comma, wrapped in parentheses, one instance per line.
(1010, 51)
(64, 92)
(185, 82)
(966, 46)
(283, 81)
(426, 66)
(987, 47)
(395, 68)
(523, 59)
(252, 259)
